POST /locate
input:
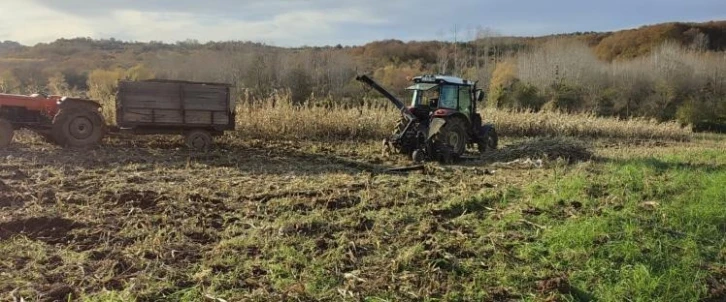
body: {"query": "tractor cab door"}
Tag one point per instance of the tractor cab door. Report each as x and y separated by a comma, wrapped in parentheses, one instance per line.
(465, 102)
(457, 98)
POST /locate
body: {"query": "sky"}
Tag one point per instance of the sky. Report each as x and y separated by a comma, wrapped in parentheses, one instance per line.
(330, 22)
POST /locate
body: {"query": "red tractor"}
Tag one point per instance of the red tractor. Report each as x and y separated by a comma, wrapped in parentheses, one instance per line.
(66, 121)
(440, 120)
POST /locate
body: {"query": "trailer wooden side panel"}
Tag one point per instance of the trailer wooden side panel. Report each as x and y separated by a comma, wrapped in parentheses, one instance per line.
(199, 97)
(150, 95)
(175, 104)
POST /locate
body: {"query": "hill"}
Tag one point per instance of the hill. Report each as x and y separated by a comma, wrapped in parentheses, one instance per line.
(628, 44)
(86, 66)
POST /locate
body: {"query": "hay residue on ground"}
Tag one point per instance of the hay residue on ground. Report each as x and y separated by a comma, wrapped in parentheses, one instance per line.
(567, 149)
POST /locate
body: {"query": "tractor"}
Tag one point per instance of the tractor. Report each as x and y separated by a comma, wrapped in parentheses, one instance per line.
(440, 121)
(66, 121)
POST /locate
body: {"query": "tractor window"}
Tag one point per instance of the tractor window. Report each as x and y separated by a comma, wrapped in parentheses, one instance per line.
(416, 100)
(465, 100)
(448, 97)
(424, 98)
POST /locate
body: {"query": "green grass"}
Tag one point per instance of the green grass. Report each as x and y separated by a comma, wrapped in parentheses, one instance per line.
(621, 248)
(305, 221)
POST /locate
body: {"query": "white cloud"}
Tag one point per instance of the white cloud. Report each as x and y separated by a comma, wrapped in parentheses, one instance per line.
(29, 23)
(291, 28)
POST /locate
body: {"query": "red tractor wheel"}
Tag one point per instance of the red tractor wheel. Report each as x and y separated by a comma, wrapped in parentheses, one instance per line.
(452, 138)
(78, 127)
(6, 133)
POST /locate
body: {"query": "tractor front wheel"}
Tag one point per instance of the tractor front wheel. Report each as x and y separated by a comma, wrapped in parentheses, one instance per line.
(452, 138)
(78, 127)
(488, 141)
(6, 133)
(199, 139)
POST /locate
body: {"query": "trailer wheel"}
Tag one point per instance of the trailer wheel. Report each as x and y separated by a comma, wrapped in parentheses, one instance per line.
(199, 139)
(78, 127)
(6, 133)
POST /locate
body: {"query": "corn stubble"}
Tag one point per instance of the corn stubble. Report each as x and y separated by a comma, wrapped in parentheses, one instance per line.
(290, 207)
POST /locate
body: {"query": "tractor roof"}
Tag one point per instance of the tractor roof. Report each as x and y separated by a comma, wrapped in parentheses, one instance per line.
(441, 79)
(422, 86)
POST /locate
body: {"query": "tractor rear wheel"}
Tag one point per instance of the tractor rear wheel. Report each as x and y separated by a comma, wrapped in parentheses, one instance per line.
(78, 127)
(452, 138)
(6, 133)
(199, 140)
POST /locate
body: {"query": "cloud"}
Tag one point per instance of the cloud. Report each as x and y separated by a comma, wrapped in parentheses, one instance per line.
(290, 28)
(29, 23)
(41, 23)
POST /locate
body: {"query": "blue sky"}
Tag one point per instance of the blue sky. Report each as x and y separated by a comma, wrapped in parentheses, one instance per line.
(329, 22)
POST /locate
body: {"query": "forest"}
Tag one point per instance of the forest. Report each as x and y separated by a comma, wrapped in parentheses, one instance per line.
(670, 71)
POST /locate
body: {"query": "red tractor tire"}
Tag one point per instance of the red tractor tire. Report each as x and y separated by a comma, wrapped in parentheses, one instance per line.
(453, 137)
(6, 133)
(78, 127)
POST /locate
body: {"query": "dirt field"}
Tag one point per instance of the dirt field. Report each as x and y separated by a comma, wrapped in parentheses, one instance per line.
(146, 220)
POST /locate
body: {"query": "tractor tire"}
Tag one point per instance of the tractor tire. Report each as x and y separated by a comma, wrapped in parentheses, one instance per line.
(490, 141)
(199, 140)
(418, 156)
(78, 127)
(6, 133)
(452, 138)
(404, 149)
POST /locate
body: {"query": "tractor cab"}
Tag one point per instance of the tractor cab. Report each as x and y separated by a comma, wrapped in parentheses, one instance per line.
(443, 96)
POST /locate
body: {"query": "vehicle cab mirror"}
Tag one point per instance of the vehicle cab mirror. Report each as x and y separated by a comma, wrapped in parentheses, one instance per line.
(479, 95)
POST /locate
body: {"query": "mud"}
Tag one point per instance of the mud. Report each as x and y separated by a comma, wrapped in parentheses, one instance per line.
(47, 229)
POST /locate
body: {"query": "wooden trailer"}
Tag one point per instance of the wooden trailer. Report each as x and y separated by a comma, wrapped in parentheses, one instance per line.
(196, 110)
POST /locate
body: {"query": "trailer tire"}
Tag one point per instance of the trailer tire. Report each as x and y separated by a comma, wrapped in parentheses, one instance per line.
(6, 133)
(78, 127)
(199, 140)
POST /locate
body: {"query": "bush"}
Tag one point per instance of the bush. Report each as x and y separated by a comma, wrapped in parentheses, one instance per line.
(299, 84)
(503, 78)
(564, 97)
(527, 96)
(703, 111)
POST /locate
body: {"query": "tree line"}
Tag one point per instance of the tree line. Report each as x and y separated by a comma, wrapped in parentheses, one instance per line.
(666, 72)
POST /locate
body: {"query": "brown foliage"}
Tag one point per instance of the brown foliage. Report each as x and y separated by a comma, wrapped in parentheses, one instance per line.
(634, 43)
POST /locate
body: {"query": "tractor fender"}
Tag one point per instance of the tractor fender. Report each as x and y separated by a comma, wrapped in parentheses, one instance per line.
(438, 122)
(450, 113)
(67, 102)
(434, 127)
